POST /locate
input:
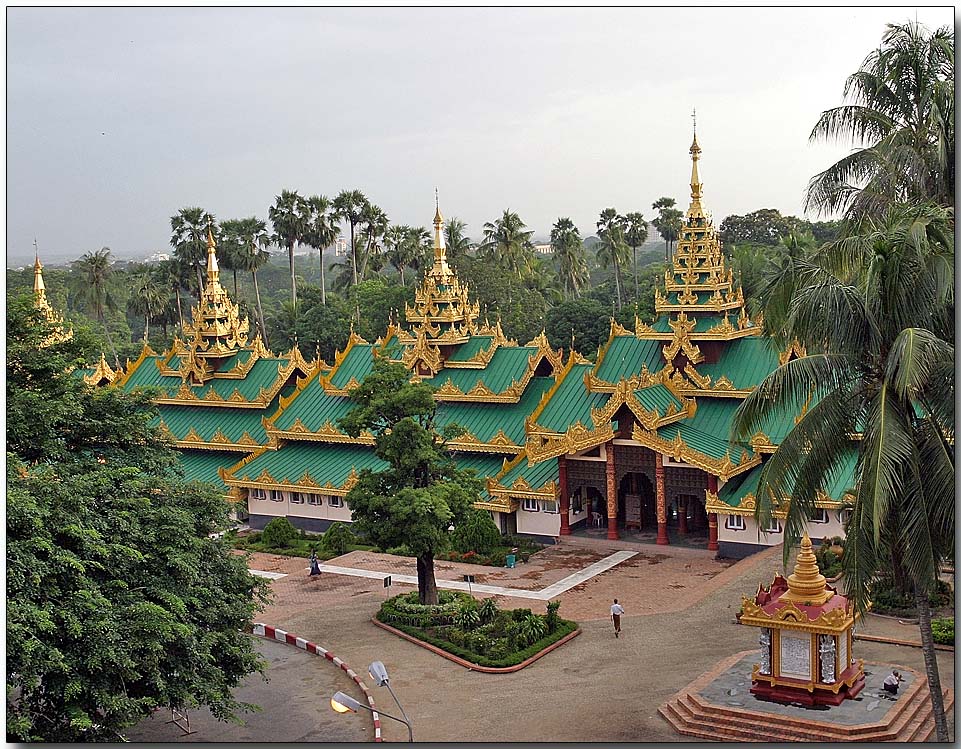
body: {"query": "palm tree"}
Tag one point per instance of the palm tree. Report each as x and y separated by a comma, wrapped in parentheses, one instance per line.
(174, 277)
(777, 280)
(569, 256)
(92, 284)
(668, 223)
(349, 205)
(612, 249)
(900, 111)
(508, 243)
(375, 223)
(252, 241)
(635, 234)
(458, 244)
(148, 298)
(189, 240)
(398, 248)
(876, 311)
(322, 232)
(289, 219)
(420, 249)
(230, 249)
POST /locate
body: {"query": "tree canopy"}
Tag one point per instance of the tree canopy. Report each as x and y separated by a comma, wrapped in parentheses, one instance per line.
(118, 600)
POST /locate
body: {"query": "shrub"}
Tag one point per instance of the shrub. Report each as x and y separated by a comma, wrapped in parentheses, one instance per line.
(401, 551)
(532, 628)
(552, 618)
(476, 533)
(406, 609)
(498, 559)
(467, 616)
(887, 599)
(488, 610)
(520, 615)
(279, 533)
(943, 630)
(457, 636)
(337, 539)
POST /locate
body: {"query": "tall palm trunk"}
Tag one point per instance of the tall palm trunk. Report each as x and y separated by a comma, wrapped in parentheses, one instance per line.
(634, 250)
(402, 282)
(293, 278)
(323, 279)
(180, 311)
(236, 295)
(200, 284)
(146, 328)
(260, 310)
(353, 254)
(617, 282)
(931, 663)
(106, 332)
(426, 584)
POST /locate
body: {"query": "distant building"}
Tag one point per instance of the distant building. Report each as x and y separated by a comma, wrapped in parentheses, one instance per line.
(340, 247)
(543, 249)
(158, 257)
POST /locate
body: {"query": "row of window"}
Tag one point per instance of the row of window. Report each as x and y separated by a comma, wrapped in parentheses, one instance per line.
(295, 498)
(540, 505)
(736, 522)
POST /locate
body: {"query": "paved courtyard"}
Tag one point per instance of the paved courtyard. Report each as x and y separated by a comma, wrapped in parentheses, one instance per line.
(680, 622)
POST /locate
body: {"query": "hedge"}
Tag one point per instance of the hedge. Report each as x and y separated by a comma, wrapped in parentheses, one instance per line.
(406, 610)
(564, 628)
(943, 631)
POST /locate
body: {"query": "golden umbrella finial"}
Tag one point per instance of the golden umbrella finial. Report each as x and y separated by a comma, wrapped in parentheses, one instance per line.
(807, 584)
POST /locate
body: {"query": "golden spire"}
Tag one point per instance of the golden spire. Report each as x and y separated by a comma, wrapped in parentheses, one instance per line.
(807, 584)
(39, 288)
(695, 211)
(441, 270)
(213, 270)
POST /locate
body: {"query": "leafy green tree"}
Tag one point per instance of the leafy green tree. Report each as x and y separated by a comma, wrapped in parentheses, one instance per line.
(118, 600)
(398, 248)
(421, 493)
(569, 257)
(635, 234)
(899, 116)
(322, 232)
(349, 206)
(374, 300)
(612, 248)
(374, 227)
(149, 299)
(476, 533)
(458, 243)
(876, 312)
(289, 215)
(279, 533)
(668, 223)
(763, 227)
(507, 242)
(249, 239)
(189, 240)
(93, 287)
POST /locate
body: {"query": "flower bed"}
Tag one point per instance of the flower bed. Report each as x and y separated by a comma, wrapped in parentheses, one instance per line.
(483, 635)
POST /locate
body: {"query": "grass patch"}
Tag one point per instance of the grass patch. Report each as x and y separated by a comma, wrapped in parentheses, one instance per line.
(298, 547)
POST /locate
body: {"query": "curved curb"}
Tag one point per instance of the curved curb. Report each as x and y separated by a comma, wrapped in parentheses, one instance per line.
(474, 666)
(906, 643)
(272, 633)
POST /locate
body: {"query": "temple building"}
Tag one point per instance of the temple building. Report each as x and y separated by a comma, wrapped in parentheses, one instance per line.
(633, 443)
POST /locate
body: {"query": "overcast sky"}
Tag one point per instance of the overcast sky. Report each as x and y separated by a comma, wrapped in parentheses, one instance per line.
(118, 117)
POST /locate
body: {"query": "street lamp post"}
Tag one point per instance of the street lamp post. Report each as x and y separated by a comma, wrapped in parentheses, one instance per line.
(378, 672)
(343, 703)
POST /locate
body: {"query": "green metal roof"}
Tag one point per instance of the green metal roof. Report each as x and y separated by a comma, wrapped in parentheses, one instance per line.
(484, 420)
(535, 475)
(472, 348)
(325, 463)
(746, 483)
(571, 402)
(262, 374)
(203, 465)
(708, 430)
(626, 355)
(657, 398)
(206, 421)
(744, 361)
(147, 375)
(314, 407)
(508, 365)
(357, 364)
(486, 465)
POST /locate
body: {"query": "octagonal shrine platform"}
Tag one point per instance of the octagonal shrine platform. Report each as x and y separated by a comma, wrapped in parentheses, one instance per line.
(718, 706)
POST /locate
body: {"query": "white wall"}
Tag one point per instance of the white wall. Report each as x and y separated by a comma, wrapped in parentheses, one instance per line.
(538, 523)
(293, 509)
(750, 535)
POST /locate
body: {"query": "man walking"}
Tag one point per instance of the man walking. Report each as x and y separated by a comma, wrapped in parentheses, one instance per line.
(616, 611)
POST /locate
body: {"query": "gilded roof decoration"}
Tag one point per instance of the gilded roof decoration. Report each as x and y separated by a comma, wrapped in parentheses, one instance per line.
(679, 450)
(102, 373)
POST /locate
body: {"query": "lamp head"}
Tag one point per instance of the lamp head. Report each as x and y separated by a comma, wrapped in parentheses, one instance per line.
(343, 703)
(378, 673)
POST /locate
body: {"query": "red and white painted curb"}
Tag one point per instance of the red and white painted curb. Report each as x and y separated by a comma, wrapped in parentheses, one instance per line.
(272, 633)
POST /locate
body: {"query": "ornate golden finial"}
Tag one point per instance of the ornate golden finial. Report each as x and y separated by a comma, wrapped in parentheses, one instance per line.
(438, 218)
(39, 288)
(441, 271)
(807, 584)
(213, 269)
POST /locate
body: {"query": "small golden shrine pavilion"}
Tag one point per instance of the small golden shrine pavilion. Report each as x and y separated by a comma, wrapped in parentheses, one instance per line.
(806, 638)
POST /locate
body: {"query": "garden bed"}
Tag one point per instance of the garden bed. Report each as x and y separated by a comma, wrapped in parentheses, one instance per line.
(282, 538)
(481, 637)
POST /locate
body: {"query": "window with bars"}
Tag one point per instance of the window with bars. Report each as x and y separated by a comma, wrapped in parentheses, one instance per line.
(336, 501)
(258, 494)
(530, 505)
(734, 523)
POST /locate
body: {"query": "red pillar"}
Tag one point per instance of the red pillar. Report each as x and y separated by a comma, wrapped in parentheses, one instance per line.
(611, 494)
(565, 499)
(661, 500)
(682, 515)
(712, 516)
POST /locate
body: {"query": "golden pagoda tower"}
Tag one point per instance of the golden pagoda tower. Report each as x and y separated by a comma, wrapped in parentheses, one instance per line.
(40, 301)
(806, 638)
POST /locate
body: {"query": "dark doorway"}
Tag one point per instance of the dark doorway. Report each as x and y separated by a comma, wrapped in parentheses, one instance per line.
(636, 503)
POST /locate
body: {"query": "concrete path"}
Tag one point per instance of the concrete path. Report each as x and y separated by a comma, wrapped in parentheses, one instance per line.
(546, 594)
(268, 575)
